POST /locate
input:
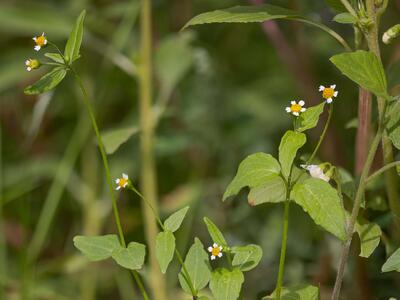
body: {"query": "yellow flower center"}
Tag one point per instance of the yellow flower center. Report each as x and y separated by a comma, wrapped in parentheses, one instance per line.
(295, 108)
(40, 41)
(122, 182)
(215, 251)
(328, 93)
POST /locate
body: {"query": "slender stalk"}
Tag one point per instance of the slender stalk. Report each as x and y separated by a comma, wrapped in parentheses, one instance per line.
(322, 136)
(108, 176)
(350, 8)
(382, 170)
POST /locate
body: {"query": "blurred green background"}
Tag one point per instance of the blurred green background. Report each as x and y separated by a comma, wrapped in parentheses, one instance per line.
(224, 87)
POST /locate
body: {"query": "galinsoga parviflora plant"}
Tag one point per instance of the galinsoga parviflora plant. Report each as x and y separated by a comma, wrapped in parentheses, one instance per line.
(317, 187)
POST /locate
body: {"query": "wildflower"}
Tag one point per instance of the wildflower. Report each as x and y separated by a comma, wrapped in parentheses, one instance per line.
(32, 64)
(215, 250)
(122, 182)
(40, 41)
(328, 92)
(296, 108)
(391, 34)
(316, 172)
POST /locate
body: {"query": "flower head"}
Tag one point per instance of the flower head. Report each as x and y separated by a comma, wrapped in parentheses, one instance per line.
(328, 92)
(316, 172)
(215, 250)
(40, 41)
(296, 108)
(122, 182)
(31, 64)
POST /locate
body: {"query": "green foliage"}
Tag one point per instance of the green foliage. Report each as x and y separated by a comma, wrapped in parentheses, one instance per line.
(165, 247)
(393, 124)
(215, 233)
(322, 203)
(290, 143)
(131, 257)
(56, 57)
(71, 52)
(309, 118)
(370, 236)
(302, 292)
(365, 69)
(48, 82)
(175, 220)
(114, 138)
(198, 267)
(97, 248)
(336, 5)
(246, 257)
(345, 18)
(225, 284)
(273, 190)
(392, 263)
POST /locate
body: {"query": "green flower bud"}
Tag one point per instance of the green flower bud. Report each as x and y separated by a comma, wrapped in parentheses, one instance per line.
(391, 34)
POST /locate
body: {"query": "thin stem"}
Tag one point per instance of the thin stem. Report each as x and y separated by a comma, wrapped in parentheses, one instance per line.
(322, 136)
(382, 170)
(108, 176)
(349, 8)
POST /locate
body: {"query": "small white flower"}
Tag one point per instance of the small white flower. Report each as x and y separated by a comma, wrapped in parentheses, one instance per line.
(328, 93)
(31, 64)
(316, 172)
(215, 250)
(296, 108)
(40, 41)
(122, 182)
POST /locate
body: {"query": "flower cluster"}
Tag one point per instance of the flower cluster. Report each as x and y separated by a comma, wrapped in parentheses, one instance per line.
(40, 42)
(316, 171)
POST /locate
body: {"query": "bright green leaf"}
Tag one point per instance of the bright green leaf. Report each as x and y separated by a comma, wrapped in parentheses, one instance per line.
(392, 263)
(165, 247)
(114, 138)
(215, 233)
(131, 257)
(273, 190)
(345, 18)
(225, 284)
(246, 257)
(364, 68)
(302, 292)
(309, 118)
(175, 220)
(370, 236)
(48, 82)
(97, 248)
(74, 42)
(290, 143)
(322, 202)
(253, 171)
(55, 57)
(198, 266)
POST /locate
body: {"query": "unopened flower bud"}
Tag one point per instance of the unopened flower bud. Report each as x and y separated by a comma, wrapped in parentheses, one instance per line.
(391, 34)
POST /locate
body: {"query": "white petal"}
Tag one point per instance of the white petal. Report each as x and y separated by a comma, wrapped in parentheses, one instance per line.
(325, 178)
(287, 109)
(29, 69)
(215, 245)
(293, 102)
(335, 94)
(45, 41)
(125, 184)
(333, 86)
(301, 103)
(296, 113)
(37, 48)
(118, 188)
(329, 100)
(321, 88)
(117, 180)
(42, 33)
(220, 254)
(125, 176)
(27, 62)
(209, 249)
(212, 257)
(34, 38)
(303, 109)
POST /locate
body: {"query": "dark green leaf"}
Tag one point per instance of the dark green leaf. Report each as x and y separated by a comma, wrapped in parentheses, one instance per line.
(302, 292)
(97, 248)
(309, 118)
(370, 236)
(114, 138)
(336, 5)
(55, 57)
(47, 82)
(273, 190)
(175, 220)
(290, 143)
(131, 257)
(215, 233)
(392, 263)
(74, 42)
(165, 247)
(345, 18)
(393, 124)
(225, 284)
(246, 257)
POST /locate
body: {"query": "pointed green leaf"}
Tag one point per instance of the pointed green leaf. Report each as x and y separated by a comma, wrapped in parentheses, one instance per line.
(393, 124)
(345, 18)
(273, 190)
(198, 266)
(55, 57)
(74, 42)
(114, 138)
(175, 220)
(322, 202)
(246, 257)
(48, 82)
(370, 236)
(131, 257)
(302, 292)
(225, 284)
(365, 69)
(290, 143)
(392, 263)
(215, 233)
(165, 247)
(97, 248)
(253, 171)
(309, 118)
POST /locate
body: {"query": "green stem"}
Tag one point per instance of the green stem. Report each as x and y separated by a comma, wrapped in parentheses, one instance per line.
(382, 170)
(108, 176)
(322, 136)
(349, 8)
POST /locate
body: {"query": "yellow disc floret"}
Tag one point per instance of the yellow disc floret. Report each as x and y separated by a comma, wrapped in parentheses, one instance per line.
(215, 250)
(295, 108)
(328, 93)
(122, 182)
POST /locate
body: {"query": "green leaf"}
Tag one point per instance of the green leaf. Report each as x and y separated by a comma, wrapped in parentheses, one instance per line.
(253, 171)
(175, 220)
(345, 18)
(336, 5)
(74, 42)
(246, 257)
(301, 292)
(393, 124)
(273, 190)
(370, 236)
(365, 69)
(321, 201)
(392, 263)
(215, 233)
(198, 267)
(97, 248)
(165, 247)
(55, 57)
(114, 138)
(48, 82)
(309, 118)
(290, 143)
(225, 284)
(131, 257)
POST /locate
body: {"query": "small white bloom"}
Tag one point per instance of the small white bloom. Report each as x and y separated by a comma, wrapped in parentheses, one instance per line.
(316, 172)
(40, 41)
(328, 93)
(122, 182)
(215, 250)
(296, 108)
(31, 64)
